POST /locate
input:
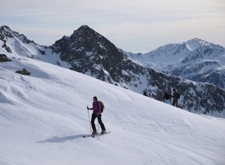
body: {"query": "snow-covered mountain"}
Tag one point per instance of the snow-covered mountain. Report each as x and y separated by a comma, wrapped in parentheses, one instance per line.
(195, 60)
(88, 52)
(19, 45)
(43, 118)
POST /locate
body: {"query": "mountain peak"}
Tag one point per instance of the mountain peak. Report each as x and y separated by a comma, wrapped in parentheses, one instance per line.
(195, 43)
(84, 27)
(85, 39)
(5, 27)
(84, 32)
(5, 31)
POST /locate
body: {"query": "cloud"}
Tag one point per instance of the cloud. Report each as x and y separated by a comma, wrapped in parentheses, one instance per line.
(122, 21)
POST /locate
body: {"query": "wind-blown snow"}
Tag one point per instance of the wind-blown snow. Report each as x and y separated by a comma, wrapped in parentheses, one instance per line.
(43, 118)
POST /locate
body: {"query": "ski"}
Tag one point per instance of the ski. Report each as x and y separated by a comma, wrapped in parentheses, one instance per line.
(96, 135)
(99, 134)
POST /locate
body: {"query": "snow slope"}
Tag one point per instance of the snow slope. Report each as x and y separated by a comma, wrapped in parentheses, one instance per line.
(43, 118)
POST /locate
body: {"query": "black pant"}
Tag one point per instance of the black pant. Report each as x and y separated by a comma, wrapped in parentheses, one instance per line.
(93, 117)
(175, 102)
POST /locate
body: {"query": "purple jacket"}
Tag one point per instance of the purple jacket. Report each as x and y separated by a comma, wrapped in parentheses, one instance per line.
(96, 107)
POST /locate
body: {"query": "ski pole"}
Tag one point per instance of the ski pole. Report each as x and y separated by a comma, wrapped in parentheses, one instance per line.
(98, 127)
(89, 120)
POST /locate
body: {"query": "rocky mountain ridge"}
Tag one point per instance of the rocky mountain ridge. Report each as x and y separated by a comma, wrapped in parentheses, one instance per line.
(90, 53)
(195, 60)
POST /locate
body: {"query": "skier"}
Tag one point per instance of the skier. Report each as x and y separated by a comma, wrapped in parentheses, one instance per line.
(176, 96)
(166, 97)
(96, 107)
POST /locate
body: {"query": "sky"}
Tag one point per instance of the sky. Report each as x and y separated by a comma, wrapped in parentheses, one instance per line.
(134, 26)
(43, 118)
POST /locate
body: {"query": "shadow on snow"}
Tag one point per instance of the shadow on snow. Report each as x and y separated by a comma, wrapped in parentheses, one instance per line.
(56, 139)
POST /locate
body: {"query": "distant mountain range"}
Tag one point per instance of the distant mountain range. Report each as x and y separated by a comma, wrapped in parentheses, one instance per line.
(195, 68)
(195, 60)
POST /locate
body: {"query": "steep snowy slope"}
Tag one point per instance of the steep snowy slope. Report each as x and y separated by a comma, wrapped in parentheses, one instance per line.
(43, 117)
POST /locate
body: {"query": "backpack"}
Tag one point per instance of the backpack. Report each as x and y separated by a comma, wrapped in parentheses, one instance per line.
(102, 106)
(167, 96)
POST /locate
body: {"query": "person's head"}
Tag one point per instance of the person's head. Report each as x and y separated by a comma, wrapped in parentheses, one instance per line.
(95, 98)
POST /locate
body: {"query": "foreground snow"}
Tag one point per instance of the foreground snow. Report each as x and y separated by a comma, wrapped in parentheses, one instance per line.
(43, 118)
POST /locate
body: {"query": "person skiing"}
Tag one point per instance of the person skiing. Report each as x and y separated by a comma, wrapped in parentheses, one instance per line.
(166, 97)
(176, 96)
(96, 107)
